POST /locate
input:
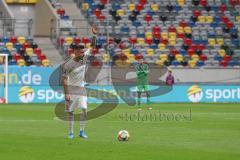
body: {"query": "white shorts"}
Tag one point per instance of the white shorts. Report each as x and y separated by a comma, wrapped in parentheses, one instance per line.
(77, 102)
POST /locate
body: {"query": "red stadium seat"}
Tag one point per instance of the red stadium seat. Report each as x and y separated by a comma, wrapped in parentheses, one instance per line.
(138, 56)
(196, 13)
(139, 7)
(164, 41)
(201, 47)
(147, 18)
(157, 35)
(222, 8)
(61, 11)
(183, 23)
(224, 63)
(17, 56)
(203, 3)
(203, 57)
(77, 40)
(42, 57)
(227, 58)
(101, 17)
(229, 25)
(172, 29)
(181, 35)
(149, 41)
(190, 52)
(133, 40)
(37, 51)
(13, 39)
(188, 41)
(104, 1)
(174, 51)
(97, 12)
(143, 2)
(85, 40)
(156, 29)
(26, 45)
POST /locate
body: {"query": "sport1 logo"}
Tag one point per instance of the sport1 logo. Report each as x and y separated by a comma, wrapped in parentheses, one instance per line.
(26, 94)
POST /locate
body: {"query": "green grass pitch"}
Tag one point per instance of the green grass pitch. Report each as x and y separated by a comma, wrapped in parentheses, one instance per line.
(30, 132)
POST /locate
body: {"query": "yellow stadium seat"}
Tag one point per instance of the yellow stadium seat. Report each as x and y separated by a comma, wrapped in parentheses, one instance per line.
(126, 51)
(29, 51)
(159, 62)
(238, 18)
(188, 30)
(9, 46)
(172, 41)
(192, 63)
(148, 35)
(220, 41)
(150, 52)
(21, 40)
(221, 52)
(20, 62)
(211, 42)
(209, 19)
(45, 62)
(131, 7)
(120, 12)
(154, 7)
(195, 57)
(32, 1)
(172, 35)
(106, 57)
(161, 46)
(88, 45)
(140, 41)
(163, 57)
(22, 1)
(131, 58)
(181, 2)
(121, 63)
(9, 1)
(201, 19)
(180, 29)
(69, 40)
(179, 57)
(85, 6)
(164, 35)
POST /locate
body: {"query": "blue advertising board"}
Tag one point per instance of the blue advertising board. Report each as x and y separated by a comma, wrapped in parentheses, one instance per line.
(31, 85)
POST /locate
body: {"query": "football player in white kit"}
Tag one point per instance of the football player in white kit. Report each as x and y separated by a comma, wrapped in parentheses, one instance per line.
(73, 81)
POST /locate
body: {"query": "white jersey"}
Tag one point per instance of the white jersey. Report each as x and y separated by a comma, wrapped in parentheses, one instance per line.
(75, 71)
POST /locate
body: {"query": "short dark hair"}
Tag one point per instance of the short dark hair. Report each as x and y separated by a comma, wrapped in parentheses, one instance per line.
(75, 46)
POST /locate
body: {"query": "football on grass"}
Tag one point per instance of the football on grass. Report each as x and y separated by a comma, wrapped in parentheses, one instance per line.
(123, 135)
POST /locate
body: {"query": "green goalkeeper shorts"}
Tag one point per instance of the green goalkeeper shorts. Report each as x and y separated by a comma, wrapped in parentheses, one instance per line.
(142, 88)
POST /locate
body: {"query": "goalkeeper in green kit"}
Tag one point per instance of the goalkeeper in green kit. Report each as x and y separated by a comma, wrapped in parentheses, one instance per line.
(142, 71)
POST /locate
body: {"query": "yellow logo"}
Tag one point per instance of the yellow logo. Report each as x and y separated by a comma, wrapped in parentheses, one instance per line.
(26, 94)
(195, 93)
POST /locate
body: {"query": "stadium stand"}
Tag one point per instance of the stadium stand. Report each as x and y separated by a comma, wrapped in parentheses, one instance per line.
(178, 33)
(23, 51)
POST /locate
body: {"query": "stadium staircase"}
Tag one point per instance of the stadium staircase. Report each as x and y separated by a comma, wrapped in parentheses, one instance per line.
(74, 13)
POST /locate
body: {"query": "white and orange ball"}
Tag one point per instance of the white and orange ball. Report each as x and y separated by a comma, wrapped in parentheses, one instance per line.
(123, 135)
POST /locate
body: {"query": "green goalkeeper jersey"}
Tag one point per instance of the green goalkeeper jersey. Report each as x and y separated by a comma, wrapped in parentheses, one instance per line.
(142, 71)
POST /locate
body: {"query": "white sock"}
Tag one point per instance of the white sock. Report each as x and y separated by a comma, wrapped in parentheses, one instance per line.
(70, 122)
(83, 121)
